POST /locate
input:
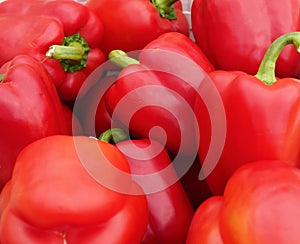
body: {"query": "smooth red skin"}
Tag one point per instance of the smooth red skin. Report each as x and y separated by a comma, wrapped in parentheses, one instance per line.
(73, 202)
(43, 30)
(82, 20)
(260, 205)
(131, 25)
(30, 109)
(175, 43)
(170, 211)
(158, 66)
(30, 36)
(235, 35)
(262, 123)
(204, 227)
(149, 116)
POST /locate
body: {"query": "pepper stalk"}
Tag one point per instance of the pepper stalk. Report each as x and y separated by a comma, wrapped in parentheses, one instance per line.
(266, 71)
(72, 54)
(121, 59)
(113, 135)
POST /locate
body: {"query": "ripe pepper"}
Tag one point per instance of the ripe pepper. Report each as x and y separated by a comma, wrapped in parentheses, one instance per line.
(223, 30)
(159, 90)
(30, 109)
(131, 25)
(260, 205)
(53, 198)
(262, 117)
(71, 42)
(170, 211)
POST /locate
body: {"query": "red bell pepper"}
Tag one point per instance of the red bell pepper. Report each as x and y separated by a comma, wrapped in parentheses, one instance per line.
(159, 90)
(91, 94)
(262, 117)
(260, 205)
(170, 211)
(73, 39)
(53, 198)
(131, 25)
(235, 34)
(30, 109)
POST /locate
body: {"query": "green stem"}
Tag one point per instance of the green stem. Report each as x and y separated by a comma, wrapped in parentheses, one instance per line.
(165, 8)
(266, 71)
(72, 54)
(113, 135)
(1, 77)
(121, 59)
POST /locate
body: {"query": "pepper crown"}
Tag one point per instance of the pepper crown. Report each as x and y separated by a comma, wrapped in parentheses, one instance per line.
(266, 71)
(165, 8)
(72, 54)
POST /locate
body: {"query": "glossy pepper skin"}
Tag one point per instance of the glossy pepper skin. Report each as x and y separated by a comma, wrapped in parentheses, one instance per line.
(30, 109)
(52, 197)
(67, 71)
(158, 91)
(124, 21)
(170, 211)
(262, 117)
(260, 205)
(223, 30)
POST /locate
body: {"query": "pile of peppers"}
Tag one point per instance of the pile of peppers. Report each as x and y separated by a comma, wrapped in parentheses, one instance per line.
(126, 122)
